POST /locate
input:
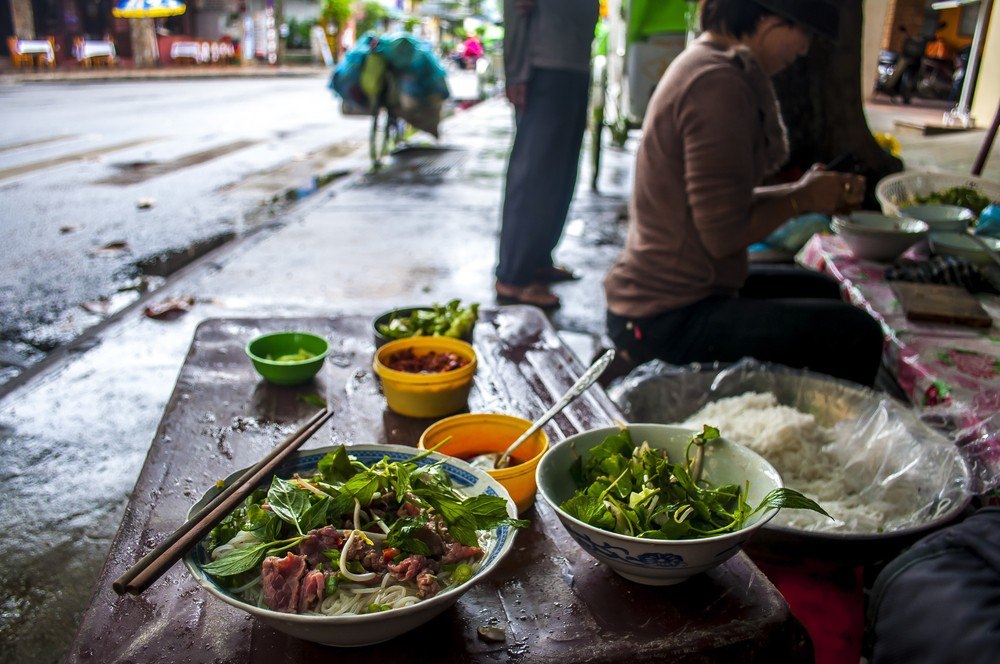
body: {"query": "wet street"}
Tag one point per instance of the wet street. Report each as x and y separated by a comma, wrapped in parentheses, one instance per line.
(106, 188)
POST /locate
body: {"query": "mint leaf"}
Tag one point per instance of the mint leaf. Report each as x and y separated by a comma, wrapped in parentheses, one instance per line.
(590, 510)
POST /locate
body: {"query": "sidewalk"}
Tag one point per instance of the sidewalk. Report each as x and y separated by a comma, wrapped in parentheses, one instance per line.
(75, 435)
(424, 230)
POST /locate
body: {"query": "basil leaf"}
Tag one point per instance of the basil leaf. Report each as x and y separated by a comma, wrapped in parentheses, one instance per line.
(315, 516)
(336, 466)
(790, 498)
(288, 501)
(362, 487)
(401, 536)
(239, 561)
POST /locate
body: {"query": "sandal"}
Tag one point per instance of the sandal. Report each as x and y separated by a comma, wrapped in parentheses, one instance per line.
(535, 294)
(555, 274)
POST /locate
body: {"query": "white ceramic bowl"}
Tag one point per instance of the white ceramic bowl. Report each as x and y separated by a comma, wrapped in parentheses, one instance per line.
(940, 217)
(877, 237)
(648, 561)
(961, 245)
(371, 628)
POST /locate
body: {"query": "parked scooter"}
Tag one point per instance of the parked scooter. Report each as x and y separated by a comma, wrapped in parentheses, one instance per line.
(898, 72)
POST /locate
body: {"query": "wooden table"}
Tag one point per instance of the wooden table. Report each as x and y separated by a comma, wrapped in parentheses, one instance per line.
(556, 602)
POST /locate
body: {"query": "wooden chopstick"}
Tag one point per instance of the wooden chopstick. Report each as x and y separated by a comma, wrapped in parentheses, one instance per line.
(151, 566)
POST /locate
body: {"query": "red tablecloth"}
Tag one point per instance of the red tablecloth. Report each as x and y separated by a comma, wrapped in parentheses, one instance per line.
(950, 373)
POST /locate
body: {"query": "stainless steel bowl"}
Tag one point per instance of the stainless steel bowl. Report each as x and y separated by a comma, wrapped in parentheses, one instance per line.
(658, 392)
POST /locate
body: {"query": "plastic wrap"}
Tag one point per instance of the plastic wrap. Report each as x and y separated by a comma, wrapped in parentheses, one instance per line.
(910, 475)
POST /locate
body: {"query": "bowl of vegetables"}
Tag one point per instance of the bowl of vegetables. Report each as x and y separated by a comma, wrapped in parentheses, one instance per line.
(325, 551)
(895, 191)
(288, 358)
(658, 503)
(447, 320)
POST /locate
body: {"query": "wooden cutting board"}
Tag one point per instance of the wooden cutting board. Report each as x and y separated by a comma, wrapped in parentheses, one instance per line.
(941, 304)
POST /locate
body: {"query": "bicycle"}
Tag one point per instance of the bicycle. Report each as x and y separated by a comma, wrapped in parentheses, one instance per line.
(388, 130)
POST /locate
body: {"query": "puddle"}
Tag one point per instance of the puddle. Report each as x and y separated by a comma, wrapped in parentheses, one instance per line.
(165, 263)
(139, 171)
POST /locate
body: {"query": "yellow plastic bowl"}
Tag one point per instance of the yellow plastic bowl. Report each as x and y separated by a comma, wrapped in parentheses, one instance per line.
(470, 434)
(426, 394)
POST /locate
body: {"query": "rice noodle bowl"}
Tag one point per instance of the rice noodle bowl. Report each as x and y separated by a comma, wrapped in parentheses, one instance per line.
(347, 617)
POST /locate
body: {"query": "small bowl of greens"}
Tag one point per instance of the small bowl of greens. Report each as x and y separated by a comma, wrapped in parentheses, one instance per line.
(658, 503)
(288, 358)
(442, 320)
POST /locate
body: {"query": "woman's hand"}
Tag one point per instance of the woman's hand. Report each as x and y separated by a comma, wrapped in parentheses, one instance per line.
(827, 192)
(524, 7)
(517, 95)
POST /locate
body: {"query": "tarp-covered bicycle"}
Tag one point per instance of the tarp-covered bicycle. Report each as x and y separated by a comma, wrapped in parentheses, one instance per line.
(397, 79)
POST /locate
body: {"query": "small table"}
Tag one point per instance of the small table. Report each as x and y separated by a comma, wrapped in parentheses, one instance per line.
(40, 48)
(189, 50)
(950, 373)
(89, 52)
(556, 603)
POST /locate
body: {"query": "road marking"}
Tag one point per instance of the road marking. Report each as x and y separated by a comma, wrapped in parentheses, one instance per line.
(41, 141)
(70, 158)
(142, 171)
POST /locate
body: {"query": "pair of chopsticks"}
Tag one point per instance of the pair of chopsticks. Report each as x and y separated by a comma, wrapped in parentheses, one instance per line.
(152, 566)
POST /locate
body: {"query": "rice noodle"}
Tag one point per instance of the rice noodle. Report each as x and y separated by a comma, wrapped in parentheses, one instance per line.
(352, 598)
(818, 461)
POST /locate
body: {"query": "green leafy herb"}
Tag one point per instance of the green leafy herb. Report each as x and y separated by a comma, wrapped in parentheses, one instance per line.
(283, 516)
(449, 320)
(638, 491)
(313, 399)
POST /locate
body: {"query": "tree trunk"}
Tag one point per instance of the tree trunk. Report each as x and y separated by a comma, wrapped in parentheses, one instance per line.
(143, 34)
(823, 106)
(23, 17)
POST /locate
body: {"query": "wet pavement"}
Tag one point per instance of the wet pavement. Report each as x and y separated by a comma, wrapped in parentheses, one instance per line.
(75, 429)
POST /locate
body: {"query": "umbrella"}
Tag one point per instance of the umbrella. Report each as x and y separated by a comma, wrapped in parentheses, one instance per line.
(148, 8)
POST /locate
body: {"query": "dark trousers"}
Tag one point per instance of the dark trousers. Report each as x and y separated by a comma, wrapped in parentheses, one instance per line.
(541, 173)
(783, 314)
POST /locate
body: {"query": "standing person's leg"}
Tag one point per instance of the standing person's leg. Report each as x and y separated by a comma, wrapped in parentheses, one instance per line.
(573, 96)
(535, 198)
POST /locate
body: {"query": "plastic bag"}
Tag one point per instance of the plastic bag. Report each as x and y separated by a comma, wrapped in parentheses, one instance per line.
(893, 461)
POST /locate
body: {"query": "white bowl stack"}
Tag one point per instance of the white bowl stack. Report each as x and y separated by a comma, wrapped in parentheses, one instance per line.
(877, 237)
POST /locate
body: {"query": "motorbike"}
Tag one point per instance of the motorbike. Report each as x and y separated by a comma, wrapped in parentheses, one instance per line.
(898, 73)
(913, 73)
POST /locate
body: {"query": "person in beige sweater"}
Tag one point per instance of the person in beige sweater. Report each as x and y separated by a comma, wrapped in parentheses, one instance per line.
(682, 289)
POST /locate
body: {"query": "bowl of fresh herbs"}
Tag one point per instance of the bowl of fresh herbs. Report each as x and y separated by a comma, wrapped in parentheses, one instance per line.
(452, 319)
(658, 503)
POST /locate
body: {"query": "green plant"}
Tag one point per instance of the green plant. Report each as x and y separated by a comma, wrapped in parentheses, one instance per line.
(372, 13)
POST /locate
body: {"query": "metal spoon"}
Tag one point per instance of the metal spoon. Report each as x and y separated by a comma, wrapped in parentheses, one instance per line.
(496, 460)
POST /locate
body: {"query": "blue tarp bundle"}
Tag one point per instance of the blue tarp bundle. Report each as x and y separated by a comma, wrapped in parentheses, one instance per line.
(420, 84)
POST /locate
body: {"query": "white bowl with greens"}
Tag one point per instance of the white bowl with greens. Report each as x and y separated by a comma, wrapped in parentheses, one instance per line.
(640, 513)
(355, 606)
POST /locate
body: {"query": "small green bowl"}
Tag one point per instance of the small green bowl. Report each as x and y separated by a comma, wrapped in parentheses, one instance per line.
(265, 348)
